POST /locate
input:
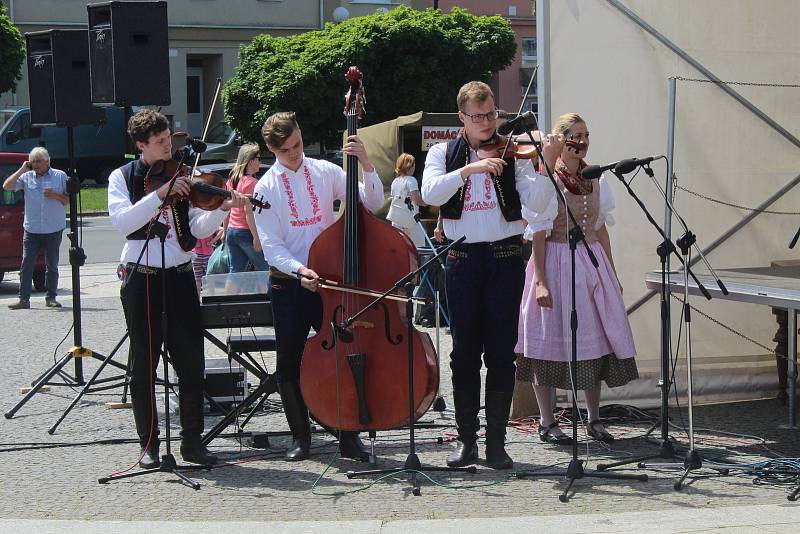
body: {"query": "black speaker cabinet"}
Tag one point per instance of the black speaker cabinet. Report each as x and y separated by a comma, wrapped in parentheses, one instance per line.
(58, 78)
(129, 53)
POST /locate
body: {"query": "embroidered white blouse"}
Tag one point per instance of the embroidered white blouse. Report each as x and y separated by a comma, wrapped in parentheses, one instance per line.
(543, 220)
(481, 219)
(301, 207)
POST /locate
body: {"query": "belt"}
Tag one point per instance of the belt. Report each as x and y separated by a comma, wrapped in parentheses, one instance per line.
(275, 273)
(146, 269)
(504, 248)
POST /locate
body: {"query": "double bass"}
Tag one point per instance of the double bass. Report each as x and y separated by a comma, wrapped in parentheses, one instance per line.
(355, 377)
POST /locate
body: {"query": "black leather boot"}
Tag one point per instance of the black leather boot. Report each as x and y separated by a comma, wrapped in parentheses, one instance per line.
(193, 451)
(350, 446)
(498, 406)
(467, 404)
(297, 416)
(146, 419)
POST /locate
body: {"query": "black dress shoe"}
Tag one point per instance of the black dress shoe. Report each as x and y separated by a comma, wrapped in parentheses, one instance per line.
(597, 433)
(196, 453)
(149, 457)
(299, 450)
(546, 436)
(350, 446)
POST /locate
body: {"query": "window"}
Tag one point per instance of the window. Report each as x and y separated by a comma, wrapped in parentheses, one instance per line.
(529, 50)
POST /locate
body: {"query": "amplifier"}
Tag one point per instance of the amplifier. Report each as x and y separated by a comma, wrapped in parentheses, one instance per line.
(225, 381)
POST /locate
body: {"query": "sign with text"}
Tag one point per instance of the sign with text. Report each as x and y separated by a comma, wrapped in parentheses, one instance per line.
(432, 135)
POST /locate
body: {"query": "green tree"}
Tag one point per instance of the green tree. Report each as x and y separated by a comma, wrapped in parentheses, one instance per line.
(411, 60)
(12, 52)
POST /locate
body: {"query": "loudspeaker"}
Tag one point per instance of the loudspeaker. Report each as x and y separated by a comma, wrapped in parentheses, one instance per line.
(129, 53)
(58, 79)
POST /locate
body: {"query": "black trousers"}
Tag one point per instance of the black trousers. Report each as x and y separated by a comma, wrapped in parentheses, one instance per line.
(295, 311)
(484, 290)
(142, 302)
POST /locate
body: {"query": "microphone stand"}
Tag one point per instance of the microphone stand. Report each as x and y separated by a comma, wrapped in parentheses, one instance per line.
(412, 463)
(168, 463)
(692, 460)
(575, 469)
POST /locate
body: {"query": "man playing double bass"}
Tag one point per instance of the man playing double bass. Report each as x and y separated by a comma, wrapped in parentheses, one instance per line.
(301, 192)
(482, 199)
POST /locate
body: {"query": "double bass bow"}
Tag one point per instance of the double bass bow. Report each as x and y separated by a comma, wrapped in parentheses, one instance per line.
(351, 374)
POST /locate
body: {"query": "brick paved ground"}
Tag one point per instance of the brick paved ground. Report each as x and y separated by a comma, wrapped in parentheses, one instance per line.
(61, 482)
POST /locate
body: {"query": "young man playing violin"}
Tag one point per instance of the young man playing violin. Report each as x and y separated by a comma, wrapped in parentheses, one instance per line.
(135, 197)
(482, 199)
(301, 192)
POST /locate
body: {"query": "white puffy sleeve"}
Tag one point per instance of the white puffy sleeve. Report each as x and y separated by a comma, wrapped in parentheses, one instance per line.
(542, 220)
(605, 214)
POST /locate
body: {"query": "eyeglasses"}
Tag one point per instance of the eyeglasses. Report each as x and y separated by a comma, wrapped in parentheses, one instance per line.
(480, 117)
(257, 158)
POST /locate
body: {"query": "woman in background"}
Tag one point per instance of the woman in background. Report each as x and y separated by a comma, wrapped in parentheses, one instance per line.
(406, 186)
(241, 236)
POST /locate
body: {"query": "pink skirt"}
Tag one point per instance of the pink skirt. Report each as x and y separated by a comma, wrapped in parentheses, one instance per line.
(603, 327)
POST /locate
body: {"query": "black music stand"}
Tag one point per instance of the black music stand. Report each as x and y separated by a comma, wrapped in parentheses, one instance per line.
(412, 463)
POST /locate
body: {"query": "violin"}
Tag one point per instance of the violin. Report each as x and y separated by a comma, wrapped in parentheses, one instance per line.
(207, 188)
(501, 146)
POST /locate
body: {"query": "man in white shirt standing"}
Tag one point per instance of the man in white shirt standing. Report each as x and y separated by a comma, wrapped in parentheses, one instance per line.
(132, 210)
(482, 199)
(301, 192)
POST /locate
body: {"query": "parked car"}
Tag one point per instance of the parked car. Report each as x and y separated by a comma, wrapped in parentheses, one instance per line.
(12, 215)
(222, 144)
(99, 149)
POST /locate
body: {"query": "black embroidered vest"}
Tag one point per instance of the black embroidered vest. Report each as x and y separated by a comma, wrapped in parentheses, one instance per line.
(134, 174)
(504, 185)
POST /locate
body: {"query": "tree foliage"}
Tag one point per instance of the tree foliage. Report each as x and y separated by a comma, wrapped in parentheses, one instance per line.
(12, 52)
(412, 60)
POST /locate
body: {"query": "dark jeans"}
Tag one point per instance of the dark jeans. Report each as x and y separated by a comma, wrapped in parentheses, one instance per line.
(241, 250)
(184, 339)
(31, 245)
(294, 312)
(483, 296)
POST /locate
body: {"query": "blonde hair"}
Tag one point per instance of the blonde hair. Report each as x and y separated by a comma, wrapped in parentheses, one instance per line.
(405, 164)
(473, 92)
(247, 153)
(565, 122)
(279, 127)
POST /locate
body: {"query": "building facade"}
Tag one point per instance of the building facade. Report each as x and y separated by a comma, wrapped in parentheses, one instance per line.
(509, 85)
(204, 40)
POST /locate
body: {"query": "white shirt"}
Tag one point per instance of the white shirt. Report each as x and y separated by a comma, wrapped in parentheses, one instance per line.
(127, 218)
(402, 186)
(301, 207)
(481, 219)
(543, 221)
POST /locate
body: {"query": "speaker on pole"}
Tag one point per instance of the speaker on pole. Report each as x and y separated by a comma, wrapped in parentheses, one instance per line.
(129, 53)
(58, 78)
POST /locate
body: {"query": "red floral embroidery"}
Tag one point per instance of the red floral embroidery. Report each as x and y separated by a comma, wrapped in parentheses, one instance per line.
(468, 190)
(289, 195)
(311, 194)
(480, 206)
(487, 186)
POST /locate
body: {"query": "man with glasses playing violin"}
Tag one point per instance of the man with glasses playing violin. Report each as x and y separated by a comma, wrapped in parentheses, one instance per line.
(135, 198)
(482, 199)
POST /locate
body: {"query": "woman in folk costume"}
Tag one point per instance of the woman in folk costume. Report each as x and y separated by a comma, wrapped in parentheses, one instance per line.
(605, 348)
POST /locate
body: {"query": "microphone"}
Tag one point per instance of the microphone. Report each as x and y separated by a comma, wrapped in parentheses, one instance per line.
(592, 172)
(627, 165)
(519, 124)
(198, 146)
